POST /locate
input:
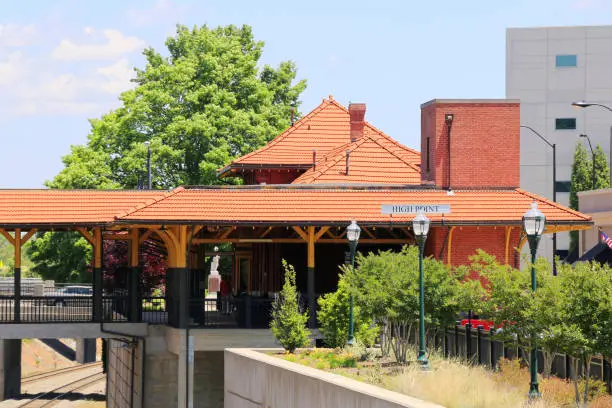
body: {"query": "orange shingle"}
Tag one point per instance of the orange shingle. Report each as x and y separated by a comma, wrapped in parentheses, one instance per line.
(325, 128)
(70, 207)
(373, 159)
(309, 204)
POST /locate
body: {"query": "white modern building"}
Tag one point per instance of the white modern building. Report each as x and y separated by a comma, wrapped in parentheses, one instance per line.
(548, 68)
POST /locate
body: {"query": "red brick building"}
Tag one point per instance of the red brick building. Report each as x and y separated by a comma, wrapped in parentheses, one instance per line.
(301, 191)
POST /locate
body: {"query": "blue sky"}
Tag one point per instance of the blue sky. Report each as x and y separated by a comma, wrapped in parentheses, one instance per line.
(66, 61)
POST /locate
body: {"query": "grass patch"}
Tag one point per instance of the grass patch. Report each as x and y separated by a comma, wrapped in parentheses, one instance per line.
(451, 382)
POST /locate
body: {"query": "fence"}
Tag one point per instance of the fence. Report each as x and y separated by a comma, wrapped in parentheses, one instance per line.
(478, 346)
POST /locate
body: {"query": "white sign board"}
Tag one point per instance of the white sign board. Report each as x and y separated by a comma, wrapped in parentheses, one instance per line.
(415, 208)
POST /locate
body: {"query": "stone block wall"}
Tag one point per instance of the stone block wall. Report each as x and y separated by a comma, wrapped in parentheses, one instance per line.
(124, 381)
(208, 379)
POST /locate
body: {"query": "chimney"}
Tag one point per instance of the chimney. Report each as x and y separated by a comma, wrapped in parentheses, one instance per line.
(357, 112)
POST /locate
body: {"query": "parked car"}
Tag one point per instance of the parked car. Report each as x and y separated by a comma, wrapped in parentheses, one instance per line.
(72, 296)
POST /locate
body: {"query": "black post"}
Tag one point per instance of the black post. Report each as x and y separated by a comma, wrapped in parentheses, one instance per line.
(149, 166)
(97, 295)
(311, 298)
(554, 238)
(457, 340)
(479, 344)
(17, 295)
(135, 294)
(493, 350)
(468, 342)
(177, 297)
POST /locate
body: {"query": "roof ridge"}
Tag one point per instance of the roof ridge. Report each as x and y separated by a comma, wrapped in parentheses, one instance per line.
(293, 128)
(150, 202)
(552, 203)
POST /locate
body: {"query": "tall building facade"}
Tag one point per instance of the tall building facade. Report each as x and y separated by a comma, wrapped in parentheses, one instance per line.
(547, 69)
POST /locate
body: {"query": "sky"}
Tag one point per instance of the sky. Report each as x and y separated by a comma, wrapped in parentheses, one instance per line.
(65, 62)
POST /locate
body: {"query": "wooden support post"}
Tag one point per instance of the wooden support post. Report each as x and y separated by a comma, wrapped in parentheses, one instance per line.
(134, 280)
(449, 247)
(508, 235)
(17, 276)
(97, 276)
(311, 278)
(177, 277)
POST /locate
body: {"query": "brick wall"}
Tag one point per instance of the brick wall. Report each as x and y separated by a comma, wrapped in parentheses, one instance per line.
(466, 240)
(484, 144)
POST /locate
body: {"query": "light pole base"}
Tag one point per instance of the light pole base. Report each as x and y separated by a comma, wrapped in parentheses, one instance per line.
(351, 341)
(534, 392)
(423, 361)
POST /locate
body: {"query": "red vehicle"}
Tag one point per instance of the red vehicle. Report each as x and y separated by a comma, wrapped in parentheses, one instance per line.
(486, 324)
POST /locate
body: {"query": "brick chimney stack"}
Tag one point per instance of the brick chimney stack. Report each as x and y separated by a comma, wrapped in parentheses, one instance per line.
(357, 112)
(470, 143)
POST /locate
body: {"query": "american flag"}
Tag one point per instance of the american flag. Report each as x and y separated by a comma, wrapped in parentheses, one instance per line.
(606, 239)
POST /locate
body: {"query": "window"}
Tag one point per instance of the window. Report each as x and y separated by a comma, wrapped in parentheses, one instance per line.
(563, 186)
(566, 61)
(565, 124)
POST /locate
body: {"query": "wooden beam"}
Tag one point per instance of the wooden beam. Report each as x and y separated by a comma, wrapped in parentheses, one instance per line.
(8, 236)
(89, 237)
(197, 229)
(449, 247)
(145, 236)
(97, 247)
(322, 231)
(226, 233)
(382, 241)
(550, 229)
(368, 232)
(301, 233)
(134, 246)
(331, 234)
(28, 235)
(266, 232)
(311, 247)
(117, 237)
(507, 249)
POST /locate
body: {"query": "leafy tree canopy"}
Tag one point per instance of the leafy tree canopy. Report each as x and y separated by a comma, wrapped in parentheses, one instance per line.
(204, 104)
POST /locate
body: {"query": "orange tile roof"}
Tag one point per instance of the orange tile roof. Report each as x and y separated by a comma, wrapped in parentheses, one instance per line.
(70, 207)
(325, 128)
(302, 204)
(373, 159)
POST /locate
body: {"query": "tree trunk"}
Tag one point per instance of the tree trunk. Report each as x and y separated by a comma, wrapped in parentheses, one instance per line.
(574, 376)
(587, 375)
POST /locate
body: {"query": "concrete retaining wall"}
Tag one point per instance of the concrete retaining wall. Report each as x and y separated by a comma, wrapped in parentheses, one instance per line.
(124, 378)
(254, 380)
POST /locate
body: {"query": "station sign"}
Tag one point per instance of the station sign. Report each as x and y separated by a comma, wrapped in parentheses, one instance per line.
(415, 208)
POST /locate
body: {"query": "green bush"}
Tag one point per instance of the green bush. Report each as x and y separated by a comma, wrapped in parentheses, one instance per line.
(333, 319)
(288, 324)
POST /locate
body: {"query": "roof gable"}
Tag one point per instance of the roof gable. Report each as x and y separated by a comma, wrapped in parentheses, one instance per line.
(324, 129)
(375, 158)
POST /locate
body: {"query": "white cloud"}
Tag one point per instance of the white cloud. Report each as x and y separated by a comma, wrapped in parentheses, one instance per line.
(161, 11)
(116, 45)
(88, 30)
(15, 35)
(118, 76)
(11, 67)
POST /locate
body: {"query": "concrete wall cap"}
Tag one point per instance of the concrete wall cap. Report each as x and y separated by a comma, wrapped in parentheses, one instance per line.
(470, 101)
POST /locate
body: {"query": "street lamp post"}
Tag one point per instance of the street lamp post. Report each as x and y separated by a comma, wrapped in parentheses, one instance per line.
(554, 197)
(352, 234)
(533, 225)
(585, 104)
(420, 226)
(592, 160)
(148, 144)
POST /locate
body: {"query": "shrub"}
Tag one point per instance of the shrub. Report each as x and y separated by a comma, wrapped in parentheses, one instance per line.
(333, 319)
(288, 324)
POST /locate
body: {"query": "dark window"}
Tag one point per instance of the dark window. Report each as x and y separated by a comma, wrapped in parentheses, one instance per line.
(565, 124)
(427, 154)
(562, 61)
(563, 186)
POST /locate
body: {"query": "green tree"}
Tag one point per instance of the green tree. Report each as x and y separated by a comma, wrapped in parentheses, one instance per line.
(288, 323)
(333, 319)
(61, 256)
(385, 287)
(582, 180)
(205, 103)
(602, 171)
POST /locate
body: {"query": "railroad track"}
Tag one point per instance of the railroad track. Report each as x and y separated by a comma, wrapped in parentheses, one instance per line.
(42, 376)
(49, 398)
